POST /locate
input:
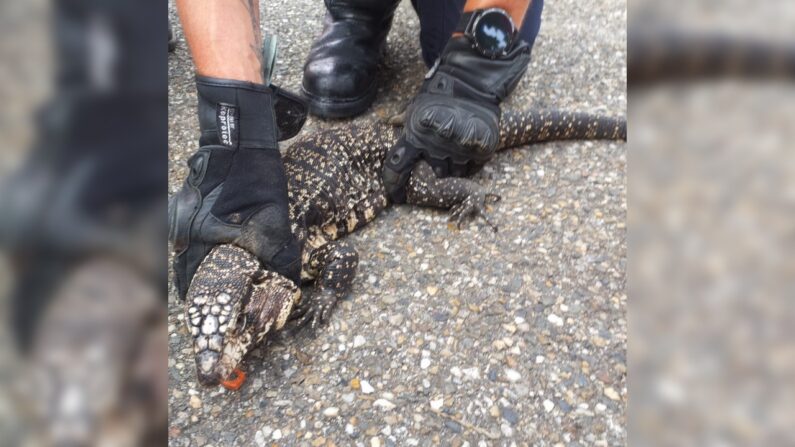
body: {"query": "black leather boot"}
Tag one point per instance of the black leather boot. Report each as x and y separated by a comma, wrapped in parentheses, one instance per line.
(340, 72)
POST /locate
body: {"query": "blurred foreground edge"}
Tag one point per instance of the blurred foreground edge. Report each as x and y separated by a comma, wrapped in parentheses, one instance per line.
(82, 231)
(658, 55)
(711, 279)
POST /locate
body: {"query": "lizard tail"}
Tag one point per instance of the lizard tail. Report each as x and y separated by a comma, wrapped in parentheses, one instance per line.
(656, 55)
(538, 126)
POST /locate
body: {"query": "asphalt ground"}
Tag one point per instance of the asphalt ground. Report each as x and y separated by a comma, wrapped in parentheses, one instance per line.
(449, 337)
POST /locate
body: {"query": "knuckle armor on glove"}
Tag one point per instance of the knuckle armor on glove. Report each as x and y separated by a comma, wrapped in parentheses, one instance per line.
(468, 130)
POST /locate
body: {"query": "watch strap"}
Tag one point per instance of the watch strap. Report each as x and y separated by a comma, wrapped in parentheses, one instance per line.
(465, 20)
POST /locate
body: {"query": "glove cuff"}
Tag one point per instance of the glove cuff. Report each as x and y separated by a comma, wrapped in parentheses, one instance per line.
(235, 114)
(491, 78)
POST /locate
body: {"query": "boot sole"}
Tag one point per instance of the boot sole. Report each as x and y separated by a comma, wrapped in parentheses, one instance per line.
(340, 108)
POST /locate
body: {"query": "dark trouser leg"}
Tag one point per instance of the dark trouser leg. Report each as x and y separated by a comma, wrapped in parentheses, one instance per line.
(438, 19)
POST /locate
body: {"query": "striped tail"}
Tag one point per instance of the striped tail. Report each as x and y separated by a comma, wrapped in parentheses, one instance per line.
(538, 126)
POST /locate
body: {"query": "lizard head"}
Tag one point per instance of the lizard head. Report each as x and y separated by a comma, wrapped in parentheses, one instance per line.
(232, 303)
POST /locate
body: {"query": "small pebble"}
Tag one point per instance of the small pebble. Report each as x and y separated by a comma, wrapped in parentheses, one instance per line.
(358, 341)
(472, 373)
(396, 320)
(506, 430)
(425, 363)
(512, 375)
(554, 319)
(454, 426)
(366, 387)
(436, 404)
(351, 430)
(331, 412)
(612, 394)
(548, 405)
(384, 404)
(259, 439)
(277, 434)
(510, 415)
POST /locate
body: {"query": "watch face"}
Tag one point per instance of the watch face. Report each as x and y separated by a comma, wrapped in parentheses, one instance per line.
(493, 32)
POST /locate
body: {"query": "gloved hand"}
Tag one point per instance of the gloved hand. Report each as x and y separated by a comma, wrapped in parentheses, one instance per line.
(453, 122)
(236, 190)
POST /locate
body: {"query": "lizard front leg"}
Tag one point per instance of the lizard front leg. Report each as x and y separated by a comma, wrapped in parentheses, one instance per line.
(335, 266)
(463, 197)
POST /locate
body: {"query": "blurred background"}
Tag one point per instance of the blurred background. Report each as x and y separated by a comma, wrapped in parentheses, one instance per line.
(711, 201)
(82, 222)
(83, 170)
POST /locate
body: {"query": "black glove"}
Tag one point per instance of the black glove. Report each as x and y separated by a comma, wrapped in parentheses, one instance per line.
(453, 122)
(236, 190)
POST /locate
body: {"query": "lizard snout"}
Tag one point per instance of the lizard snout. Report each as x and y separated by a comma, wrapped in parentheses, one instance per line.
(207, 368)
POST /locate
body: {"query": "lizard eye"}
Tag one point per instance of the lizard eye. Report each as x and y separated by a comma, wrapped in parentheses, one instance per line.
(240, 323)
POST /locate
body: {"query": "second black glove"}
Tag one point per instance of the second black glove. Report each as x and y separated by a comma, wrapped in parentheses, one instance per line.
(453, 122)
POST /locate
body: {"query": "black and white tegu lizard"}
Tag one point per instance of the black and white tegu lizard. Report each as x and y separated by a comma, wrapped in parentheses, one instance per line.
(334, 188)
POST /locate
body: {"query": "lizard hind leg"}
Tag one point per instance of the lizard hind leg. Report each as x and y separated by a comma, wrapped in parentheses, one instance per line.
(336, 263)
(462, 196)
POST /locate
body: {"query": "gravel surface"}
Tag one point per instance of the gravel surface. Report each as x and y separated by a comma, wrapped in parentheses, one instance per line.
(449, 337)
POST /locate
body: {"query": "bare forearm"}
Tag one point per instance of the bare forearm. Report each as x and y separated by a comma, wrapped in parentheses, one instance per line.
(224, 37)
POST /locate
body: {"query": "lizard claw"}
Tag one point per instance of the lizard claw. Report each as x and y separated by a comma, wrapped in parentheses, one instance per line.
(300, 309)
(315, 310)
(492, 198)
(474, 205)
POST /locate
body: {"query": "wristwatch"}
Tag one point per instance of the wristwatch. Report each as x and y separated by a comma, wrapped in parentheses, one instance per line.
(491, 31)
